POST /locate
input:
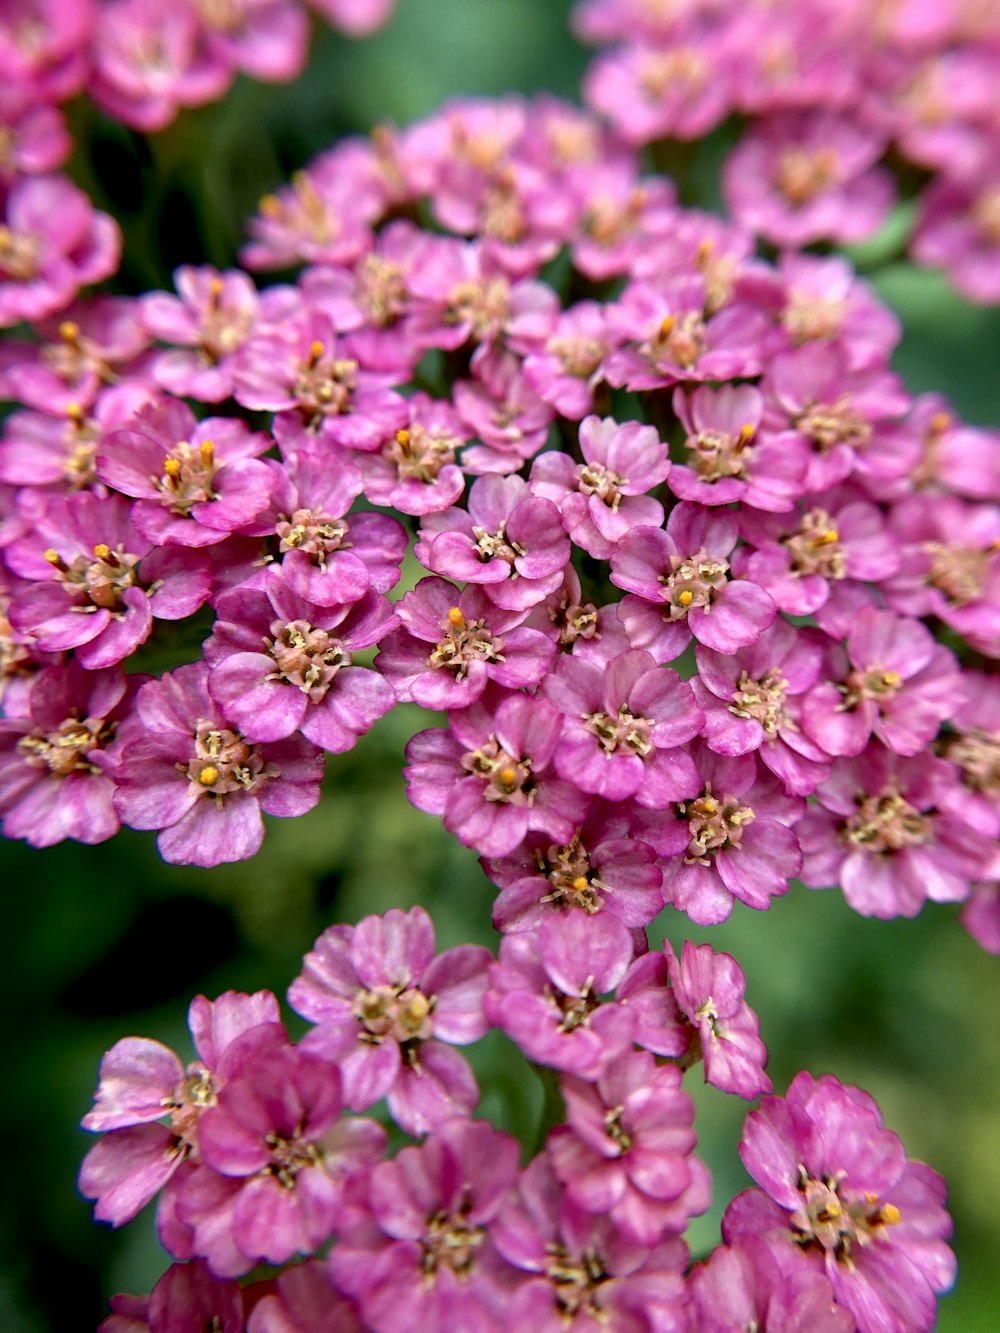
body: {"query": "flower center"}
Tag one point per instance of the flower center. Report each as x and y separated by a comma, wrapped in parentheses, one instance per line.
(808, 318)
(65, 750)
(418, 454)
(762, 700)
(977, 754)
(886, 823)
(508, 780)
(402, 1012)
(692, 581)
(223, 328)
(19, 255)
(101, 580)
(495, 544)
(615, 1131)
(306, 657)
(289, 1157)
(815, 547)
(803, 173)
(577, 1283)
(960, 572)
(465, 641)
(714, 823)
(484, 305)
(716, 454)
(829, 1220)
(324, 384)
(827, 424)
(305, 212)
(188, 473)
(450, 1242)
(223, 763)
(680, 339)
(574, 883)
(316, 534)
(579, 356)
(621, 731)
(595, 479)
(381, 290)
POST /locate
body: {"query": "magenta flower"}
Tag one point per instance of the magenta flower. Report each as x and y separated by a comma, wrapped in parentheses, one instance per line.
(503, 411)
(725, 461)
(388, 1012)
(708, 988)
(599, 869)
(895, 682)
(801, 176)
(420, 1255)
(957, 230)
(302, 1299)
(626, 1149)
(839, 1185)
(450, 644)
(546, 986)
(143, 1083)
(414, 470)
(280, 664)
(507, 539)
(186, 1298)
(623, 729)
(756, 1282)
(603, 497)
(52, 779)
(566, 369)
(195, 481)
(99, 583)
(891, 833)
(183, 770)
(734, 840)
(582, 1272)
(654, 92)
(52, 243)
(686, 568)
(488, 774)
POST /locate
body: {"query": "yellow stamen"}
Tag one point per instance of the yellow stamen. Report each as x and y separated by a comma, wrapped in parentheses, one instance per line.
(52, 557)
(402, 438)
(208, 776)
(940, 422)
(315, 351)
(215, 287)
(888, 1214)
(207, 451)
(703, 254)
(102, 552)
(666, 324)
(891, 679)
(74, 411)
(171, 468)
(270, 205)
(69, 331)
(745, 435)
(416, 1009)
(508, 776)
(685, 597)
(580, 883)
(455, 618)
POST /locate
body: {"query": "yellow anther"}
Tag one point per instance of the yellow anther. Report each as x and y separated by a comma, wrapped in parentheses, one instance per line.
(827, 537)
(890, 679)
(455, 618)
(52, 557)
(940, 422)
(704, 253)
(270, 205)
(315, 350)
(215, 286)
(889, 1214)
(508, 776)
(580, 883)
(207, 451)
(666, 324)
(745, 435)
(402, 438)
(832, 1210)
(171, 468)
(102, 551)
(74, 411)
(69, 331)
(208, 776)
(685, 597)
(417, 1008)
(994, 544)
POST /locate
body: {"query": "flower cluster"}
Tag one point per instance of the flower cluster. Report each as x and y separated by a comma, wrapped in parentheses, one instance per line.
(709, 602)
(827, 96)
(254, 1161)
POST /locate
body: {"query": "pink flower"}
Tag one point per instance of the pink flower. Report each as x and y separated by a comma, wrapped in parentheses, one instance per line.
(388, 1013)
(420, 1255)
(183, 770)
(626, 1148)
(838, 1184)
(187, 1296)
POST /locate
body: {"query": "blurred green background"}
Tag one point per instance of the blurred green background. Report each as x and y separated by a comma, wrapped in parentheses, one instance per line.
(107, 941)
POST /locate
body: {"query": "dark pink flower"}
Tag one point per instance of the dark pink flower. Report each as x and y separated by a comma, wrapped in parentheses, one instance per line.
(489, 774)
(838, 1184)
(384, 1006)
(546, 986)
(183, 770)
(420, 1255)
(414, 470)
(626, 1150)
(186, 1299)
(756, 1282)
